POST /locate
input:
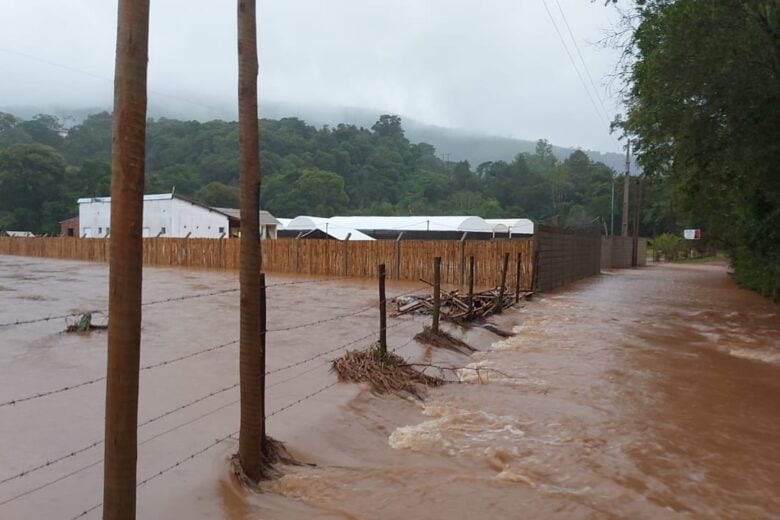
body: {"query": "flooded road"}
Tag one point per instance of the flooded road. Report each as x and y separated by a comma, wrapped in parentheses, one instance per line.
(650, 393)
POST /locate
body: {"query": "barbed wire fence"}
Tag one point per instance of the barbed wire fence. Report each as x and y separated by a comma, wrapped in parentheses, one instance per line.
(366, 339)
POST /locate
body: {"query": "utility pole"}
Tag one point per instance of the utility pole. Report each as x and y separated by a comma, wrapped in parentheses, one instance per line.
(128, 144)
(637, 209)
(626, 183)
(612, 210)
(251, 438)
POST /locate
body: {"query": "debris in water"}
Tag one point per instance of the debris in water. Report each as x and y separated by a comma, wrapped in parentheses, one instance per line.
(455, 306)
(83, 323)
(444, 340)
(274, 453)
(385, 372)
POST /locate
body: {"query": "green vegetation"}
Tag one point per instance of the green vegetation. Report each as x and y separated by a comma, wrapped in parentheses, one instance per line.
(669, 245)
(703, 85)
(306, 170)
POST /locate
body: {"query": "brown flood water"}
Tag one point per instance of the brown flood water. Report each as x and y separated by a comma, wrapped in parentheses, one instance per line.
(650, 393)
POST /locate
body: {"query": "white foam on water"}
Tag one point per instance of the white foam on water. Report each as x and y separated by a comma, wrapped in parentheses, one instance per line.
(455, 430)
(755, 355)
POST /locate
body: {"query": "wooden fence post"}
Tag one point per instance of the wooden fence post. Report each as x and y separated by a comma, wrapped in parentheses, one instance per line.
(346, 253)
(471, 283)
(517, 276)
(297, 245)
(535, 277)
(398, 256)
(263, 331)
(463, 259)
(500, 306)
(382, 312)
(436, 293)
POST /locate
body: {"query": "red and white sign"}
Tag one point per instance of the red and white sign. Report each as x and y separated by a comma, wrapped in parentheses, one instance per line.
(692, 234)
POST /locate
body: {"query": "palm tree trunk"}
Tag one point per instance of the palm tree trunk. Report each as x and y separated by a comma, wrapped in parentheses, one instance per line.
(252, 344)
(124, 301)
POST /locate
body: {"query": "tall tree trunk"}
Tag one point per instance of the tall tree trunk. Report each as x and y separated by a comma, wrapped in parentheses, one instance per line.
(252, 354)
(124, 300)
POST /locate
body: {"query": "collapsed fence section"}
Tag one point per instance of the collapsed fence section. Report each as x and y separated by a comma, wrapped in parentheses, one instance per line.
(405, 260)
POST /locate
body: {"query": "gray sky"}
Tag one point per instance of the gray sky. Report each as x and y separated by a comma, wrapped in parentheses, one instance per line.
(493, 66)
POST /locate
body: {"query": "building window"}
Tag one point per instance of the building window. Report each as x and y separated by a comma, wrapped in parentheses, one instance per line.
(221, 230)
(70, 231)
(100, 231)
(108, 231)
(162, 230)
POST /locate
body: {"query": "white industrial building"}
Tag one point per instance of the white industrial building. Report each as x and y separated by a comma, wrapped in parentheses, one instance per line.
(406, 228)
(169, 215)
(304, 226)
(512, 226)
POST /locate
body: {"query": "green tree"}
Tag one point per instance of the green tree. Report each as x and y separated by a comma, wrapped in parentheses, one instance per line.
(31, 177)
(218, 195)
(704, 105)
(310, 192)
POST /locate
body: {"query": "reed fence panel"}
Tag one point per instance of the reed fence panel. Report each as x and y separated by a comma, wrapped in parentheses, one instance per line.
(405, 260)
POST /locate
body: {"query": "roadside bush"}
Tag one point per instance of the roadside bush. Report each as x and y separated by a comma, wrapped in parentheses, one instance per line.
(670, 245)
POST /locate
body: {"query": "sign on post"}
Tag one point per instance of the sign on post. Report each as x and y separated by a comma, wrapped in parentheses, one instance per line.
(692, 234)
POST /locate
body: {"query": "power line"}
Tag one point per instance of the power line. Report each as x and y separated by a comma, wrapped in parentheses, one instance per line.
(574, 65)
(103, 78)
(582, 60)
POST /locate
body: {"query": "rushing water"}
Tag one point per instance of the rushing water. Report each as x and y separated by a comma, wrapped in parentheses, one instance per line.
(651, 393)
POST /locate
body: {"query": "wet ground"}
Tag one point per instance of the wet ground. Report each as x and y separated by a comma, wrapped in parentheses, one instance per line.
(650, 393)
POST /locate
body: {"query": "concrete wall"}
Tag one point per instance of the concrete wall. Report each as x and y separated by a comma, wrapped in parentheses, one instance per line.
(565, 256)
(616, 252)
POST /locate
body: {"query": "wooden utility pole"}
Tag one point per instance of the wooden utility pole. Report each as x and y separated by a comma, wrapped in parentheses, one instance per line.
(128, 142)
(251, 355)
(637, 208)
(382, 311)
(436, 293)
(626, 185)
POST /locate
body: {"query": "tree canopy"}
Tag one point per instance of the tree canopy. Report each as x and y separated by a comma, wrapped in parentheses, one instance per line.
(306, 170)
(704, 105)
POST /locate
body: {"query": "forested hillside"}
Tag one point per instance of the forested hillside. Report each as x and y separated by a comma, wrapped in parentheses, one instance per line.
(306, 170)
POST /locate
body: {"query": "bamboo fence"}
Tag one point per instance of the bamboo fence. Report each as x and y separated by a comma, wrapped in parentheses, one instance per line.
(404, 260)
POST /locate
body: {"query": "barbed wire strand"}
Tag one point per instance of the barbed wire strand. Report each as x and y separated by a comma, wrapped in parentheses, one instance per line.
(209, 446)
(103, 378)
(203, 398)
(157, 302)
(203, 450)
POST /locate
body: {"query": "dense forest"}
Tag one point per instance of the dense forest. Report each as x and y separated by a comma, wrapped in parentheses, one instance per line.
(306, 170)
(702, 82)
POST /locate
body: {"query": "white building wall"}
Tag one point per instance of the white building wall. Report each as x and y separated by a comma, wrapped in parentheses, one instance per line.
(185, 217)
(171, 216)
(94, 218)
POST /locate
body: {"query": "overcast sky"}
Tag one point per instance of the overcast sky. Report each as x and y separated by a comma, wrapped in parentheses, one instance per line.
(494, 66)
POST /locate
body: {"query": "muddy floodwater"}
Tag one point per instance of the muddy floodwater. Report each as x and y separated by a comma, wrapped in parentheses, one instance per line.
(651, 393)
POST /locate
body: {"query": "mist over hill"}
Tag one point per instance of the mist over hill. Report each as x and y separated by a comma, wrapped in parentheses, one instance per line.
(450, 143)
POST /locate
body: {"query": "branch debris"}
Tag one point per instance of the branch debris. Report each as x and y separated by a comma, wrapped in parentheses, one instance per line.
(387, 373)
